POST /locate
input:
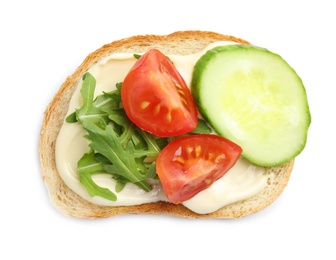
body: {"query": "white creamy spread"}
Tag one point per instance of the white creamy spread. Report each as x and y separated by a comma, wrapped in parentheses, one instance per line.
(241, 182)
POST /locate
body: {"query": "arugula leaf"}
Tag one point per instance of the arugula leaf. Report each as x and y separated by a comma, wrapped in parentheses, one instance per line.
(106, 142)
(87, 91)
(202, 128)
(152, 170)
(72, 118)
(120, 186)
(151, 142)
(89, 112)
(87, 166)
(137, 56)
(117, 146)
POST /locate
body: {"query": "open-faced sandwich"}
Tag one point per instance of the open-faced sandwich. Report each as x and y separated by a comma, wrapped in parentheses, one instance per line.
(193, 124)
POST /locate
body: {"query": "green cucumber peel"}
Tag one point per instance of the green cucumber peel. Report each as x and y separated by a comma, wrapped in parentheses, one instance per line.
(254, 98)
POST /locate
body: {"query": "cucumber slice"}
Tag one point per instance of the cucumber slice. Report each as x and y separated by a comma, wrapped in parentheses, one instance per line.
(254, 98)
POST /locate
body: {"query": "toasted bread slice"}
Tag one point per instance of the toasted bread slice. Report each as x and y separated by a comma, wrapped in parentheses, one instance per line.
(71, 204)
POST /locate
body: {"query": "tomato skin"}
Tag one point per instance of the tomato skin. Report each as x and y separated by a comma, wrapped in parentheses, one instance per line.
(156, 97)
(192, 163)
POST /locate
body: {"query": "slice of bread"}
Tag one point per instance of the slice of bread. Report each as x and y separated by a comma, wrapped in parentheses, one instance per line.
(71, 204)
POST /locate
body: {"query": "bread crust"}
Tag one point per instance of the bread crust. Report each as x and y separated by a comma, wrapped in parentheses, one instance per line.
(71, 204)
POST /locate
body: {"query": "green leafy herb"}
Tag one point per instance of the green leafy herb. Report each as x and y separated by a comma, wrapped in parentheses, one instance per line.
(118, 147)
(88, 166)
(106, 142)
(202, 128)
(137, 56)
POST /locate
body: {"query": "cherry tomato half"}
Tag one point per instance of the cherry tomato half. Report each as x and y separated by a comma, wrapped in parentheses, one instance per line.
(192, 163)
(156, 97)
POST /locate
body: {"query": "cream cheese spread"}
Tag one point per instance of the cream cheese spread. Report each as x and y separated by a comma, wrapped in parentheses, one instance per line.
(242, 181)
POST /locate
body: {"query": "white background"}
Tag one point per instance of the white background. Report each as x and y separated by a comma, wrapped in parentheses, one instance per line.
(43, 42)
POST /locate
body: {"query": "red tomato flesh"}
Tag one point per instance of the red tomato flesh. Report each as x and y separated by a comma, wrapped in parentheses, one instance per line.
(191, 164)
(156, 97)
